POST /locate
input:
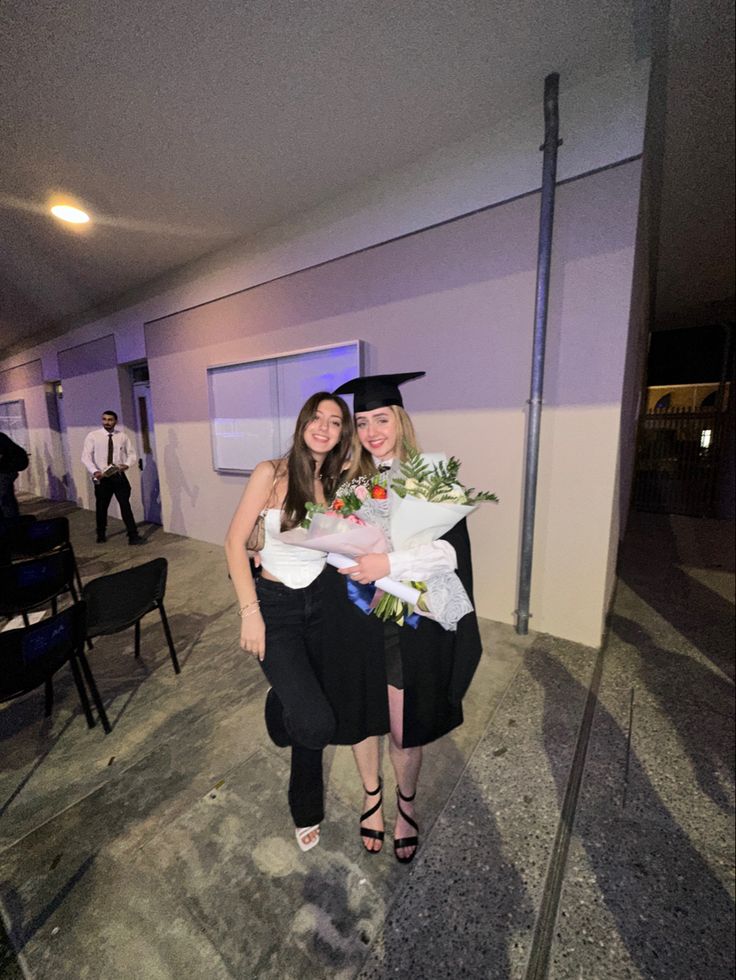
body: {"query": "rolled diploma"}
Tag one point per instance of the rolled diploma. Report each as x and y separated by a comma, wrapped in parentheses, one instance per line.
(401, 591)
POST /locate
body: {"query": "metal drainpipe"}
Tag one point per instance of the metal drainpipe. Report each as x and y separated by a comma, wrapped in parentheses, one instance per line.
(544, 256)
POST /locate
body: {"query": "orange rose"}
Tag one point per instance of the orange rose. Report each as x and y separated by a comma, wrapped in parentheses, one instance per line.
(378, 492)
(338, 504)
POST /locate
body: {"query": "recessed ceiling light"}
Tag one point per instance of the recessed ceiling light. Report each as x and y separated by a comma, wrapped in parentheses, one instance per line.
(65, 212)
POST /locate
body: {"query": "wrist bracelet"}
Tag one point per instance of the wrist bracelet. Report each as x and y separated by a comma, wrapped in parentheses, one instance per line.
(249, 605)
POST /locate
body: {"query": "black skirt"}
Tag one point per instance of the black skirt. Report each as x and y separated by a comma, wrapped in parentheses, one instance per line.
(361, 655)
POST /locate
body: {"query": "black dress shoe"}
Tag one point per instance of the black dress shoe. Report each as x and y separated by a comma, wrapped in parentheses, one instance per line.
(138, 540)
(101, 539)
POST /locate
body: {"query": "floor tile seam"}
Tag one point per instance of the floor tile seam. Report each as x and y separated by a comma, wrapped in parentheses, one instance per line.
(18, 955)
(183, 653)
(6, 848)
(620, 651)
(436, 828)
(206, 713)
(651, 826)
(662, 744)
(620, 716)
(601, 755)
(109, 781)
(654, 702)
(543, 936)
(183, 904)
(181, 907)
(668, 638)
(599, 767)
(190, 799)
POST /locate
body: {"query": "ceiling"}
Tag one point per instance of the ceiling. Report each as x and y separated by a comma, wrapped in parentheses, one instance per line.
(187, 127)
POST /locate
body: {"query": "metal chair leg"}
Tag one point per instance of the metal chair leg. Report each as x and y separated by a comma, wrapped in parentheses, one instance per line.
(48, 697)
(169, 640)
(77, 576)
(93, 690)
(137, 639)
(81, 691)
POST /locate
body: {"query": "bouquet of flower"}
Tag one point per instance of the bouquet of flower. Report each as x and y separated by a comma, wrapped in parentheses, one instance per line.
(356, 495)
(423, 485)
(429, 500)
(354, 524)
(366, 517)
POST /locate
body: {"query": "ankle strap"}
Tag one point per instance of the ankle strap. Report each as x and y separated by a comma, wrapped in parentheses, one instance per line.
(406, 799)
(376, 791)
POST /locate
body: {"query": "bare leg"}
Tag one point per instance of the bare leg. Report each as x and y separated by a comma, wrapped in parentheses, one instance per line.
(407, 764)
(367, 759)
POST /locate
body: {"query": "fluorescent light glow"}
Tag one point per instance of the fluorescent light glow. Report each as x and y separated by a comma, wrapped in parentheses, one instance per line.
(65, 212)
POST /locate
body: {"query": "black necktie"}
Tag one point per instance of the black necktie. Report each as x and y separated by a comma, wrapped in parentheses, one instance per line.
(109, 448)
(384, 467)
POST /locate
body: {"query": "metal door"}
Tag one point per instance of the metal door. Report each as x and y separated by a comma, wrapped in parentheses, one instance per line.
(150, 485)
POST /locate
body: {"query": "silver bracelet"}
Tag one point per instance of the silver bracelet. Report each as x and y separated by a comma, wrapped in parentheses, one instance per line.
(243, 611)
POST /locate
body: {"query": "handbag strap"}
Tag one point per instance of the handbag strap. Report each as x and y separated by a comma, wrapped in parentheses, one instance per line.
(276, 478)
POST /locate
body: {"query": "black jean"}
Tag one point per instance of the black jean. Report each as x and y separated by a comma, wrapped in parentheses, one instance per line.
(293, 619)
(8, 503)
(118, 487)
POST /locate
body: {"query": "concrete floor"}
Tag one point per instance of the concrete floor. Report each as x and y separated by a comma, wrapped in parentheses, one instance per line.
(579, 825)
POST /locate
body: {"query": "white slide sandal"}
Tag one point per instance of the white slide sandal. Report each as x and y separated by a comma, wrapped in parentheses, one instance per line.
(302, 832)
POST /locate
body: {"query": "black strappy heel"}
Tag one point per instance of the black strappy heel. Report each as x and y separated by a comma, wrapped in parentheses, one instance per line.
(367, 832)
(403, 842)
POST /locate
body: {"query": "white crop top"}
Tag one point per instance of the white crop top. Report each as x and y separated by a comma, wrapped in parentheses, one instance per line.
(295, 567)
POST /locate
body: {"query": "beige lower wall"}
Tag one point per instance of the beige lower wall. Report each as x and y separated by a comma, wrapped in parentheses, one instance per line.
(573, 519)
(577, 485)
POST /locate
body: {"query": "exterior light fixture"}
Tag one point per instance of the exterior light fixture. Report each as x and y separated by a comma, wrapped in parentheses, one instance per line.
(65, 212)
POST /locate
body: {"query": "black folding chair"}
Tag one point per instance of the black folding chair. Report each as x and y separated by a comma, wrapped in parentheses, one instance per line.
(35, 583)
(30, 657)
(9, 527)
(118, 601)
(35, 538)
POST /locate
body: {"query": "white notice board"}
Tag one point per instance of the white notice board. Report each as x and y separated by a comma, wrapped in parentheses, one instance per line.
(254, 405)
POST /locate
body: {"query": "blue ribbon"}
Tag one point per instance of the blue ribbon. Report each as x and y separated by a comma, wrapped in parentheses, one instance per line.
(362, 596)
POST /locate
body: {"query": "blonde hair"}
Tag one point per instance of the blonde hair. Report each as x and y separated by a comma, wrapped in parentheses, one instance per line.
(361, 461)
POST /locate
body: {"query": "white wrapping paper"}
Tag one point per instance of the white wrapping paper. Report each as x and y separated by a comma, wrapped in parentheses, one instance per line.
(352, 540)
(399, 589)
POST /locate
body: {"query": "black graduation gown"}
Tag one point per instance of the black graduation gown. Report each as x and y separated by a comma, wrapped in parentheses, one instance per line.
(437, 664)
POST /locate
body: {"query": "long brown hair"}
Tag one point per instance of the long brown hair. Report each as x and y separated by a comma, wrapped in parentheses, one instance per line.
(300, 464)
(361, 460)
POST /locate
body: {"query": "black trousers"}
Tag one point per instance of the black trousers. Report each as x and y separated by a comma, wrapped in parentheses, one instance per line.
(293, 619)
(8, 503)
(118, 487)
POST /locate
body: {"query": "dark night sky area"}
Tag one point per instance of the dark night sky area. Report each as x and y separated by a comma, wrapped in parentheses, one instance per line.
(687, 356)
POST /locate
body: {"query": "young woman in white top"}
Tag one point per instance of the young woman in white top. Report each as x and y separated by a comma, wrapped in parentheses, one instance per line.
(281, 611)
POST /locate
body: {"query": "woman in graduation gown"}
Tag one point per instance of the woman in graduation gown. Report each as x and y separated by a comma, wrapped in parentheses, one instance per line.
(381, 678)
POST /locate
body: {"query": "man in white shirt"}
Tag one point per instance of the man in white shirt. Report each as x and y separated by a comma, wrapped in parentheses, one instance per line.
(107, 455)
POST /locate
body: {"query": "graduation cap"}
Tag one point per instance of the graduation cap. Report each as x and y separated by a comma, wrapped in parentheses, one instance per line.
(376, 390)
